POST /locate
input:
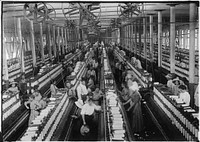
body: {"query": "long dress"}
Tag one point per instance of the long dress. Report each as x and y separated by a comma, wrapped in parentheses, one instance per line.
(137, 119)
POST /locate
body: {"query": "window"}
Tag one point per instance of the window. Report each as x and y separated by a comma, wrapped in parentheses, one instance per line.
(182, 38)
(196, 39)
(167, 38)
(188, 39)
(163, 39)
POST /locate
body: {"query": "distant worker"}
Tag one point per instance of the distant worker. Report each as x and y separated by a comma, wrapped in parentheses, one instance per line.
(53, 89)
(90, 83)
(170, 78)
(39, 98)
(23, 88)
(82, 90)
(70, 91)
(97, 96)
(138, 64)
(135, 111)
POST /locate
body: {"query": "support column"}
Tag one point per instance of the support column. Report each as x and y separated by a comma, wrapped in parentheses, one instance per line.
(54, 41)
(185, 38)
(58, 35)
(118, 36)
(151, 39)
(192, 13)
(121, 35)
(126, 33)
(28, 43)
(145, 41)
(135, 32)
(41, 43)
(48, 35)
(62, 34)
(140, 34)
(65, 35)
(160, 38)
(132, 38)
(172, 38)
(180, 38)
(77, 37)
(20, 44)
(32, 43)
(5, 64)
(70, 42)
(72, 38)
(129, 37)
(124, 36)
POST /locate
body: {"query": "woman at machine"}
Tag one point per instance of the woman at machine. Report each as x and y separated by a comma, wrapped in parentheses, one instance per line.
(82, 90)
(95, 68)
(88, 74)
(13, 88)
(93, 74)
(170, 78)
(87, 113)
(53, 89)
(134, 110)
(184, 95)
(173, 83)
(97, 96)
(83, 94)
(70, 90)
(124, 95)
(23, 88)
(91, 84)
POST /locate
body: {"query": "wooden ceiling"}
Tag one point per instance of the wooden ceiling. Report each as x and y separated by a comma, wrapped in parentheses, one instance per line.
(13, 10)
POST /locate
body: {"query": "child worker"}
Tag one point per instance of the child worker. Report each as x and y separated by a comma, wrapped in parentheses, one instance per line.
(34, 107)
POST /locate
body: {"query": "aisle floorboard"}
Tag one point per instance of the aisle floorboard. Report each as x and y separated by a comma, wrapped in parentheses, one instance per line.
(76, 135)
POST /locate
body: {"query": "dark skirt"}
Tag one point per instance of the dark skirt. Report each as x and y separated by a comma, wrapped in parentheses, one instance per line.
(137, 118)
(92, 126)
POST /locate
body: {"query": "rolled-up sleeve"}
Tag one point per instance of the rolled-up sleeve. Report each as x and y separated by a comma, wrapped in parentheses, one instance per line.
(79, 92)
